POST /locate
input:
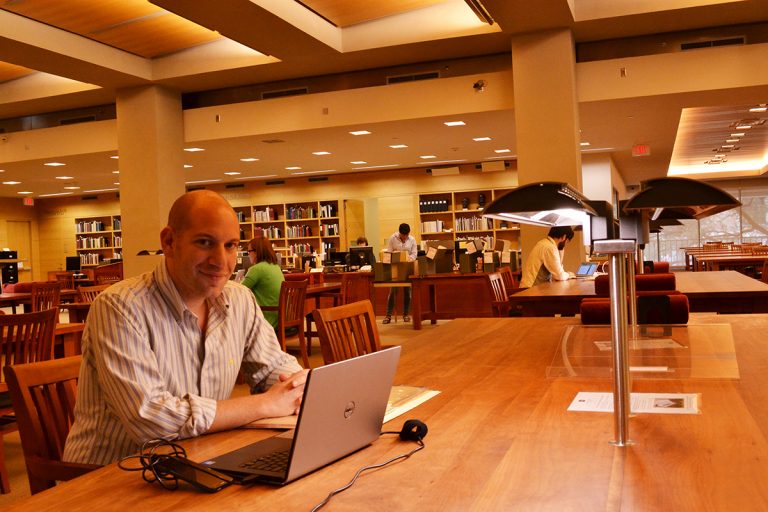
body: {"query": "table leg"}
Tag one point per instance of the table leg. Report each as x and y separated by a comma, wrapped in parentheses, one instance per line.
(416, 304)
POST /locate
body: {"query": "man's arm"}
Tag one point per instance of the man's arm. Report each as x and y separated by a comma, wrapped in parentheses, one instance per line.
(554, 265)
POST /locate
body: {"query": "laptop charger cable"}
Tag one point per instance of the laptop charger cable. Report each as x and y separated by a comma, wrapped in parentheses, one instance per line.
(413, 430)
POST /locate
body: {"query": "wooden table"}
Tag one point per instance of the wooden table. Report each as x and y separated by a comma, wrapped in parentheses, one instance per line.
(447, 296)
(78, 311)
(717, 262)
(500, 438)
(67, 339)
(721, 292)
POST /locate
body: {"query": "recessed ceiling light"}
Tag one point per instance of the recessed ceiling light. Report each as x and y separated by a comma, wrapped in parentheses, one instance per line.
(56, 194)
(116, 183)
(584, 144)
(321, 153)
(377, 167)
(54, 164)
(256, 177)
(727, 145)
(25, 192)
(71, 187)
(502, 151)
(358, 162)
(425, 157)
(232, 173)
(292, 168)
(114, 157)
(737, 135)
(187, 166)
(193, 150)
(11, 182)
(731, 140)
(115, 172)
(2, 170)
(454, 123)
(100, 190)
(398, 146)
(360, 132)
(481, 139)
(64, 177)
(761, 108)
(249, 159)
(744, 127)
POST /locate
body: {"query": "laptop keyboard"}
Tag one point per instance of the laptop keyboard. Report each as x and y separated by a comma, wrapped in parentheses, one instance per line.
(275, 461)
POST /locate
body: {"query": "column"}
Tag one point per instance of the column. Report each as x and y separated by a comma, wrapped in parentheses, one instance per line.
(150, 137)
(547, 120)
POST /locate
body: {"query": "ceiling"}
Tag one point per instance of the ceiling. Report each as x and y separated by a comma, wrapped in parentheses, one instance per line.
(124, 43)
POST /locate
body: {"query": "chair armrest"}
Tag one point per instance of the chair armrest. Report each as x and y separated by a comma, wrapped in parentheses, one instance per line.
(269, 308)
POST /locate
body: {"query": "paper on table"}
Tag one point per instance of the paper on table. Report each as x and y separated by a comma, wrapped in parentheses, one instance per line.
(658, 403)
(401, 400)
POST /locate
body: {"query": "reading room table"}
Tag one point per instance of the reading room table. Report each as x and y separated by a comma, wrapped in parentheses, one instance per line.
(501, 436)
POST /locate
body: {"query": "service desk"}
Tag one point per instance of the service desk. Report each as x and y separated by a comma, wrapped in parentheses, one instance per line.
(501, 438)
(724, 291)
(447, 296)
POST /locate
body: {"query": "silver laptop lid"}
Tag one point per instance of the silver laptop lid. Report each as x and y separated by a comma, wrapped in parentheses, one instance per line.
(342, 409)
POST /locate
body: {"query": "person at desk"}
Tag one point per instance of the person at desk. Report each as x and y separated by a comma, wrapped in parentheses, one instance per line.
(162, 351)
(544, 263)
(401, 241)
(264, 277)
(356, 259)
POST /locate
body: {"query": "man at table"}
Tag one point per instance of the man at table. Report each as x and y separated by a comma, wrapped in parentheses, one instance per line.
(544, 263)
(162, 351)
(401, 241)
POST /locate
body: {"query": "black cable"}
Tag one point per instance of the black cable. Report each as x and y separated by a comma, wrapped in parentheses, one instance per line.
(366, 468)
(152, 453)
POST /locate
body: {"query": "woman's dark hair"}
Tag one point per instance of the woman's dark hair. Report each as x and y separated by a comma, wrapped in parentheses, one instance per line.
(262, 250)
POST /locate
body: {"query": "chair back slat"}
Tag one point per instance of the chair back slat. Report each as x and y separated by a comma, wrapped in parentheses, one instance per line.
(45, 295)
(26, 338)
(43, 395)
(499, 298)
(347, 331)
(89, 293)
(510, 283)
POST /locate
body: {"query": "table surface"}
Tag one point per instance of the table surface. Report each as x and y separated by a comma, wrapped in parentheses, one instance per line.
(689, 283)
(501, 438)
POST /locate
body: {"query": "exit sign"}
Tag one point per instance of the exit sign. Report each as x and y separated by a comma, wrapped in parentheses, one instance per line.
(28, 201)
(641, 150)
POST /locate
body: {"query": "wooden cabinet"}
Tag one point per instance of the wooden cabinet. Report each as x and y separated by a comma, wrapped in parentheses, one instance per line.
(457, 216)
(98, 239)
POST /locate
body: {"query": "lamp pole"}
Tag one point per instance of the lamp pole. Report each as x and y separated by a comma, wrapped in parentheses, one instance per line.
(619, 251)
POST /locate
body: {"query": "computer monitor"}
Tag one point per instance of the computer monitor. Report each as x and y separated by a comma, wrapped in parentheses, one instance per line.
(73, 263)
(361, 255)
(336, 258)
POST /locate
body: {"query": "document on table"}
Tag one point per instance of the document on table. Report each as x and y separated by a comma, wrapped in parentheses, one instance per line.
(644, 344)
(657, 403)
(401, 400)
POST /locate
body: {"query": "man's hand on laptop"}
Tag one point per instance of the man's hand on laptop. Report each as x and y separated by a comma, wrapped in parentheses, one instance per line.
(289, 390)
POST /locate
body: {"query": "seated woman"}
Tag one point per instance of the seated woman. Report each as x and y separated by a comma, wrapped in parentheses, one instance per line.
(265, 276)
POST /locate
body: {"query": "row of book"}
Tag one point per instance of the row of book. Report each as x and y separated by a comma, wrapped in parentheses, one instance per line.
(93, 242)
(329, 230)
(473, 224)
(265, 215)
(298, 231)
(432, 226)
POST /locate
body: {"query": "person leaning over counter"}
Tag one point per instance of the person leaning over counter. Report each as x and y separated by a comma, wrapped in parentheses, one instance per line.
(544, 263)
(162, 351)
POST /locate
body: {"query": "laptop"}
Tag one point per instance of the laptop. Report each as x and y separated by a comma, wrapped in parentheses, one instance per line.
(586, 270)
(341, 412)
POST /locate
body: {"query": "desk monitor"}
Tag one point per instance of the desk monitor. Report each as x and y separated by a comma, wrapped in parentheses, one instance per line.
(361, 255)
(73, 264)
(336, 258)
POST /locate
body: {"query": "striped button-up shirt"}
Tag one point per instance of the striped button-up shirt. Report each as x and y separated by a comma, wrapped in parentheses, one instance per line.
(149, 372)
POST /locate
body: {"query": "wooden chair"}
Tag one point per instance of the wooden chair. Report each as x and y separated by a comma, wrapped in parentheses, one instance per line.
(45, 295)
(88, 293)
(764, 273)
(24, 338)
(347, 331)
(499, 297)
(355, 286)
(67, 280)
(108, 274)
(43, 396)
(510, 283)
(290, 313)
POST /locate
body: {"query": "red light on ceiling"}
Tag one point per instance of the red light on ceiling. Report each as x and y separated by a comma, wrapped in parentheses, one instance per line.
(28, 201)
(641, 150)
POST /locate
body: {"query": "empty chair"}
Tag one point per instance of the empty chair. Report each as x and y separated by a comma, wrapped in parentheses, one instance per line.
(67, 280)
(108, 274)
(88, 293)
(24, 338)
(290, 315)
(355, 286)
(499, 297)
(45, 295)
(510, 283)
(43, 396)
(347, 331)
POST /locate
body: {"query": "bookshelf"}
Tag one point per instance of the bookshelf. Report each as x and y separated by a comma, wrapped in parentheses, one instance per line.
(457, 216)
(98, 239)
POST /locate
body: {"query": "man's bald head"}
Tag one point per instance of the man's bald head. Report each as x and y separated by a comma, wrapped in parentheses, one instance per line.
(194, 203)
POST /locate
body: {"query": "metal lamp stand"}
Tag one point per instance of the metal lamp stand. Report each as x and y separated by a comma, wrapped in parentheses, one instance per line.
(620, 251)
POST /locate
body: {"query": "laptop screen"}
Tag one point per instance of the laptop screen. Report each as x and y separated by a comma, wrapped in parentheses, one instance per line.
(586, 269)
